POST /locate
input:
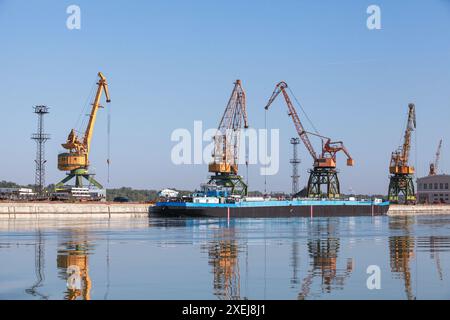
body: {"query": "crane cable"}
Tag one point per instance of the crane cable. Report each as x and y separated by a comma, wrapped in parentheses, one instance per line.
(416, 175)
(108, 160)
(303, 111)
(81, 120)
(265, 166)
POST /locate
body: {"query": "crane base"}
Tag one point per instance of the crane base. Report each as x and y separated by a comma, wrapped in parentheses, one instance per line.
(327, 177)
(233, 182)
(401, 189)
(79, 175)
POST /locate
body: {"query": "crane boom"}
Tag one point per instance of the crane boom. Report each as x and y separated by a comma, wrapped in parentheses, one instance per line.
(281, 88)
(410, 127)
(400, 157)
(434, 166)
(102, 86)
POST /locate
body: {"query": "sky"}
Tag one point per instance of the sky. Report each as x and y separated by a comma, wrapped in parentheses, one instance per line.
(170, 63)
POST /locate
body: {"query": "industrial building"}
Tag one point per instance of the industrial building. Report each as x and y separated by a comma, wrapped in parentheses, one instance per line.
(16, 194)
(433, 189)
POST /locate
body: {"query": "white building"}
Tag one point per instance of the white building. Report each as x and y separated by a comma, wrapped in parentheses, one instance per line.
(433, 189)
(16, 193)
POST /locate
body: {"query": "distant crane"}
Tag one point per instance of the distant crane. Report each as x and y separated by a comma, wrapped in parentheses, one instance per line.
(77, 159)
(324, 164)
(226, 144)
(434, 166)
(401, 183)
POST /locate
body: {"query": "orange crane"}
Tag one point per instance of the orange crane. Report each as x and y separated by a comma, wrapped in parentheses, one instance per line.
(434, 166)
(226, 144)
(324, 164)
(401, 185)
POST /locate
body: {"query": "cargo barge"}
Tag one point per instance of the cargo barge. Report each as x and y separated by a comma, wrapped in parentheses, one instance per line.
(272, 209)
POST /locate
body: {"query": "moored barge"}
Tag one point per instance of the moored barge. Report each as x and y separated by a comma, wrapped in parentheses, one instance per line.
(272, 209)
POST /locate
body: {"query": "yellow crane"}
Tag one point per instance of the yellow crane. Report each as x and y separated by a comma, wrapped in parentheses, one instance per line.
(226, 144)
(401, 185)
(76, 160)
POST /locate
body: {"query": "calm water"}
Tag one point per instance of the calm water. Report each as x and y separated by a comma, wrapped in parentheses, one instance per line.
(295, 258)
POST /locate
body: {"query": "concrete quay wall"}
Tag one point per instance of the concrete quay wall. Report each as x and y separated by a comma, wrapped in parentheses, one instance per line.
(37, 209)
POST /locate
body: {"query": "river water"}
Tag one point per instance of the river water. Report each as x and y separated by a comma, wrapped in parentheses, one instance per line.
(295, 258)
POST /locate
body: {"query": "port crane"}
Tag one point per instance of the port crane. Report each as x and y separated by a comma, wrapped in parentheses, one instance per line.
(224, 165)
(434, 166)
(76, 160)
(401, 185)
(324, 171)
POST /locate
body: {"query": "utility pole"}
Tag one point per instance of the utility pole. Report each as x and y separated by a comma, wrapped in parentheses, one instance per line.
(295, 161)
(40, 137)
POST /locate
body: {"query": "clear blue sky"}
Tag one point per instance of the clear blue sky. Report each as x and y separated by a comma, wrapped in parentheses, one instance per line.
(172, 62)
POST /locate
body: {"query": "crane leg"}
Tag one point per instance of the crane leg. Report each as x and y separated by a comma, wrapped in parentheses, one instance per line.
(63, 181)
(234, 183)
(401, 189)
(79, 175)
(91, 179)
(327, 177)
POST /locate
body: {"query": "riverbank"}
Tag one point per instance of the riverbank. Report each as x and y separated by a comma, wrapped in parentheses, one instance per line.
(51, 209)
(417, 210)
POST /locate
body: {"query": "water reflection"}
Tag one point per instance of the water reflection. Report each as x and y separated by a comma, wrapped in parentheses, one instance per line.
(435, 245)
(72, 261)
(262, 258)
(39, 259)
(323, 249)
(401, 251)
(223, 253)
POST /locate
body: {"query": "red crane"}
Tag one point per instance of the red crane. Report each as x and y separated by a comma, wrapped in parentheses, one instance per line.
(324, 164)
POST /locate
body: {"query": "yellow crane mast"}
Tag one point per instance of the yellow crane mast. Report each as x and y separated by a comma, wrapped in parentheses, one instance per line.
(226, 144)
(76, 160)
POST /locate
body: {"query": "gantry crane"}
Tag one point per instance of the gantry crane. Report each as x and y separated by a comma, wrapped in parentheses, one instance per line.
(226, 144)
(434, 166)
(76, 161)
(324, 164)
(401, 185)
